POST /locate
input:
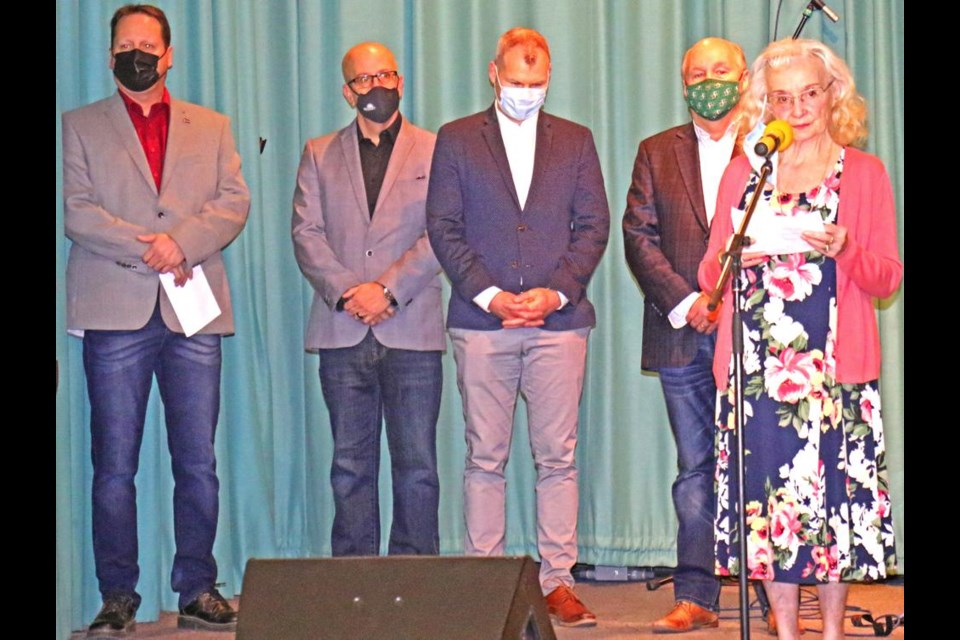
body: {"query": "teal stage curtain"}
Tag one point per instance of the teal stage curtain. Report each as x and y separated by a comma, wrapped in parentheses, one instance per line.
(274, 67)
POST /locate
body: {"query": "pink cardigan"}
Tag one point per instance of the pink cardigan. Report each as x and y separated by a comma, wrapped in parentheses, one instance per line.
(868, 268)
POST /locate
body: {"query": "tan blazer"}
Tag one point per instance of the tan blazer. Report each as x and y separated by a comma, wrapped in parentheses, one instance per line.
(337, 245)
(110, 198)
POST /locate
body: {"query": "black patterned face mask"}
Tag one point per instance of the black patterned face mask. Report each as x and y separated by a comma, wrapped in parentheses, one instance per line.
(713, 99)
(379, 104)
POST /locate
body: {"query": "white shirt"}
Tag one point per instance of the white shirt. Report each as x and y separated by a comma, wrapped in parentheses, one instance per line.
(520, 143)
(714, 158)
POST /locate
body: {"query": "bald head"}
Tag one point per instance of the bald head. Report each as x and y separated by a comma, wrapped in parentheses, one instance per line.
(367, 56)
(713, 59)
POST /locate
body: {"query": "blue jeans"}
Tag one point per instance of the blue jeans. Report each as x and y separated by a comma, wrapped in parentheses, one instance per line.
(691, 395)
(119, 367)
(363, 385)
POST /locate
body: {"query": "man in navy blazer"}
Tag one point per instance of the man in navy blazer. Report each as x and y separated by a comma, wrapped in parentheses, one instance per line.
(359, 235)
(152, 190)
(517, 215)
(666, 227)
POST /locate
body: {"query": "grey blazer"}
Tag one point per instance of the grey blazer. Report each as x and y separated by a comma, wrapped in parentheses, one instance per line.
(110, 198)
(337, 245)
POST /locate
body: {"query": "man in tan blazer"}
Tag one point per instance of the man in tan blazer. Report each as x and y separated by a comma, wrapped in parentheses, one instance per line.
(359, 235)
(152, 190)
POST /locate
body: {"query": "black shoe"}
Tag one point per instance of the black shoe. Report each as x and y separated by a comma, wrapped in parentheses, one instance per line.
(117, 616)
(208, 612)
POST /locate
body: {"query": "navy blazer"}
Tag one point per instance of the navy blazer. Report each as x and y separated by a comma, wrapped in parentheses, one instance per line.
(481, 236)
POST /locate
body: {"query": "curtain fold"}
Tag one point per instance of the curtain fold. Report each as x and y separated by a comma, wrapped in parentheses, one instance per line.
(274, 68)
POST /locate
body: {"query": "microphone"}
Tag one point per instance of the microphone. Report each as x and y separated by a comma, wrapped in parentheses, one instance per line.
(820, 4)
(777, 136)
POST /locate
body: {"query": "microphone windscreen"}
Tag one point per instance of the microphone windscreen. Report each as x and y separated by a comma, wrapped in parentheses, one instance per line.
(781, 130)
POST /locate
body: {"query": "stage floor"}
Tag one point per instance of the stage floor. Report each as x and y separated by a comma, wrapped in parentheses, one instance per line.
(625, 610)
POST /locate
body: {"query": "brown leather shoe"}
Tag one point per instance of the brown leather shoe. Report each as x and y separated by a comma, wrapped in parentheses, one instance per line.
(686, 616)
(566, 609)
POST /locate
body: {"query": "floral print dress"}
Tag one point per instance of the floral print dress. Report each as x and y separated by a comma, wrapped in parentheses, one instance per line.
(817, 500)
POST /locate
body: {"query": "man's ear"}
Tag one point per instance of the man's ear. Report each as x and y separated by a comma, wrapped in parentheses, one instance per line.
(349, 96)
(492, 74)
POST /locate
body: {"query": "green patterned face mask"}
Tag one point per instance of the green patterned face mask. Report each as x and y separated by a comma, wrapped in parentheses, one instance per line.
(713, 99)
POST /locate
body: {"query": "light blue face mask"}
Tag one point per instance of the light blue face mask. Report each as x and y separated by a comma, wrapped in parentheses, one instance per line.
(521, 102)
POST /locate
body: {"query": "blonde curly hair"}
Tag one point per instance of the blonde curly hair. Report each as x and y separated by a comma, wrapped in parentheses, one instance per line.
(848, 110)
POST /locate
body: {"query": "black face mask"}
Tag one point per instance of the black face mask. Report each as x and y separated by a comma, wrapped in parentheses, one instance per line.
(379, 104)
(136, 70)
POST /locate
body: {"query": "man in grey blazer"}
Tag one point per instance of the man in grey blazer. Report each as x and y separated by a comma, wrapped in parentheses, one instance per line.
(359, 235)
(666, 227)
(152, 190)
(517, 215)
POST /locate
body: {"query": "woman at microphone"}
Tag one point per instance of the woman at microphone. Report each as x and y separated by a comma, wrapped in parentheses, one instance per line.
(817, 502)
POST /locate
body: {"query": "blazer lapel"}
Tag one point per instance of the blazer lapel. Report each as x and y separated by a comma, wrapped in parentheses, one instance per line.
(178, 136)
(349, 146)
(119, 119)
(541, 157)
(491, 133)
(688, 162)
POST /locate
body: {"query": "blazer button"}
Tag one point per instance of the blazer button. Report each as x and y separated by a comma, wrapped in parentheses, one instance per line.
(160, 214)
(514, 264)
(369, 253)
(521, 227)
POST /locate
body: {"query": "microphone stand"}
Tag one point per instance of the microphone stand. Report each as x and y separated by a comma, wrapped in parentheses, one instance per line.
(731, 267)
(814, 5)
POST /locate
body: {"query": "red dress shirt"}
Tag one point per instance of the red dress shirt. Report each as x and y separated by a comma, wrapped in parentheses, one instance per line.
(152, 131)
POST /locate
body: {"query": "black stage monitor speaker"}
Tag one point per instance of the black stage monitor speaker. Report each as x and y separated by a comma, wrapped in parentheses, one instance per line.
(395, 597)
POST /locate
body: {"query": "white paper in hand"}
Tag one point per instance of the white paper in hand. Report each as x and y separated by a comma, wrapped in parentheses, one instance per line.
(194, 303)
(776, 235)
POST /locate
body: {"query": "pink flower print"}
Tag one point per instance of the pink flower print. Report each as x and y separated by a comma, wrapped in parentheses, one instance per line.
(832, 182)
(785, 525)
(792, 278)
(883, 504)
(793, 375)
(826, 563)
(759, 564)
(866, 409)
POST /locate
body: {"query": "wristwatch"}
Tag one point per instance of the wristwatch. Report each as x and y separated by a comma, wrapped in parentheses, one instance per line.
(389, 296)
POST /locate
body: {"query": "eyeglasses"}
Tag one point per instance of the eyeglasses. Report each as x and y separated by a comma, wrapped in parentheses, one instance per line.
(782, 100)
(388, 79)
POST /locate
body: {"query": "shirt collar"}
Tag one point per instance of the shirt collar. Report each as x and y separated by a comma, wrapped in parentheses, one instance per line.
(505, 121)
(703, 136)
(134, 107)
(387, 135)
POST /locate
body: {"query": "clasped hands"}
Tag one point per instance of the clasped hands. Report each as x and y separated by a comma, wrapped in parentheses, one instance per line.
(165, 256)
(527, 309)
(367, 303)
